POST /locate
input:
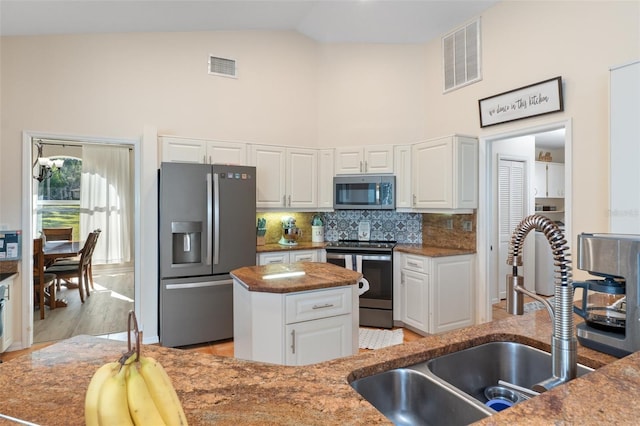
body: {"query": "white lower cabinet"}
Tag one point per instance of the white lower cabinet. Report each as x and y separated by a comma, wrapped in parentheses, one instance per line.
(7, 315)
(290, 256)
(414, 298)
(435, 293)
(297, 328)
(320, 340)
(452, 295)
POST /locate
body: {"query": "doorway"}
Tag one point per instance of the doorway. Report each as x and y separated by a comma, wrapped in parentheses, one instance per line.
(114, 271)
(522, 145)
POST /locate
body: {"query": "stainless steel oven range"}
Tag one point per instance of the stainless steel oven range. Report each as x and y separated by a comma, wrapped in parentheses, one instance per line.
(374, 259)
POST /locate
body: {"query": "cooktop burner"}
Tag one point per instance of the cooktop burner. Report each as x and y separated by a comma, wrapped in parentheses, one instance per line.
(356, 244)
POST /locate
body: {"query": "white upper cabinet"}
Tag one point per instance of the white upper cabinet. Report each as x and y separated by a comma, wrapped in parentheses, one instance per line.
(302, 178)
(540, 180)
(373, 159)
(182, 150)
(219, 152)
(445, 174)
(270, 163)
(402, 166)
(285, 177)
(555, 180)
(325, 178)
(549, 180)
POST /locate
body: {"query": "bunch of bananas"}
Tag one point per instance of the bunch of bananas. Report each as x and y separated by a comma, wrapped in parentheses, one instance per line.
(132, 392)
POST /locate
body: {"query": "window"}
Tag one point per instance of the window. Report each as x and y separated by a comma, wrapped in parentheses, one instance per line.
(58, 202)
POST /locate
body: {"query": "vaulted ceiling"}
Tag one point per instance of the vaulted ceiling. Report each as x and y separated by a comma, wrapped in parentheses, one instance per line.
(329, 21)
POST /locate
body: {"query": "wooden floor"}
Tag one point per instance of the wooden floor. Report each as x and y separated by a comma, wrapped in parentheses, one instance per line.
(105, 312)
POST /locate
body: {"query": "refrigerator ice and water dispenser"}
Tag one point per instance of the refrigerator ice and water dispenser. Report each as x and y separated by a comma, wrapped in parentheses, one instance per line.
(186, 247)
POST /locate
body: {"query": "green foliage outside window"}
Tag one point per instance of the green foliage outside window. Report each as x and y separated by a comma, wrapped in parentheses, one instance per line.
(63, 185)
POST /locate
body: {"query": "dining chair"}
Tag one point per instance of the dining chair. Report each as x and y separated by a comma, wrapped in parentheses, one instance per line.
(58, 234)
(67, 270)
(42, 281)
(76, 260)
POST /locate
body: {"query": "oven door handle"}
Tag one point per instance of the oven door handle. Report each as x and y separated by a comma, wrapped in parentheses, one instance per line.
(381, 257)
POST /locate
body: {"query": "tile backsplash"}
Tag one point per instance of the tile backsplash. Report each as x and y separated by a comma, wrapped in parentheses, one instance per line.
(437, 230)
(385, 225)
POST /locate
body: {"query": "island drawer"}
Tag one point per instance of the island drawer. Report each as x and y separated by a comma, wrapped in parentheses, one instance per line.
(318, 304)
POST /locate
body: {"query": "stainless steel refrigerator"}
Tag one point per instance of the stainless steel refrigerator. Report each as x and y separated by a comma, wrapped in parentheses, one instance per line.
(207, 219)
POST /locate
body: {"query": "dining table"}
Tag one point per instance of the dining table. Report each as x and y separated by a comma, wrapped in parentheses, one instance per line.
(54, 250)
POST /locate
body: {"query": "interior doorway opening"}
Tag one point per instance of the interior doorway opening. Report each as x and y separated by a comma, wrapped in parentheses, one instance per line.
(102, 201)
(531, 146)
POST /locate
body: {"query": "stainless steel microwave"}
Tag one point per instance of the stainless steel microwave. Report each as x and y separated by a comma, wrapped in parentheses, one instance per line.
(364, 192)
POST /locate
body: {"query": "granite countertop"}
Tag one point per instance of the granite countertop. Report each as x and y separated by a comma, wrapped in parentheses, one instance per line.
(430, 251)
(302, 245)
(7, 275)
(317, 275)
(419, 249)
(48, 386)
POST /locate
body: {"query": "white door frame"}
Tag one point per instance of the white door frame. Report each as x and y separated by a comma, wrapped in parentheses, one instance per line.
(485, 225)
(26, 333)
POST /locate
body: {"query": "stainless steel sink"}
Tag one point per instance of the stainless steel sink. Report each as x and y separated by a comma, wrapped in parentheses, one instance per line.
(473, 370)
(409, 397)
(450, 389)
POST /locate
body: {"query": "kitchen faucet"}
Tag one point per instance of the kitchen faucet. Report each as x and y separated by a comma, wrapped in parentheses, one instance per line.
(563, 340)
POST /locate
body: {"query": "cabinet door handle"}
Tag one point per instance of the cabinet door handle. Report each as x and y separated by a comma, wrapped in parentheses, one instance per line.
(293, 341)
(361, 167)
(284, 200)
(415, 265)
(289, 200)
(326, 305)
(366, 167)
(414, 199)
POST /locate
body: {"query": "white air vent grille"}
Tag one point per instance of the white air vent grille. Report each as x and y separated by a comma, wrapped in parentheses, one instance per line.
(461, 56)
(222, 66)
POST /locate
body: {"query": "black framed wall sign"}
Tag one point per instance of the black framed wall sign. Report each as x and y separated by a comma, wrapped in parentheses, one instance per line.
(536, 99)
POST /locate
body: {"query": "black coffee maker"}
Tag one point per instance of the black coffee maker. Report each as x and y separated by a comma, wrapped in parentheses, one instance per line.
(610, 304)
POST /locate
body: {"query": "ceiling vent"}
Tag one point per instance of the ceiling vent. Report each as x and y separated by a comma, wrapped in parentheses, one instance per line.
(222, 67)
(461, 56)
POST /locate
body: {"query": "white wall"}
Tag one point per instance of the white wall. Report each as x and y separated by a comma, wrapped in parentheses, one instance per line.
(371, 94)
(529, 41)
(293, 91)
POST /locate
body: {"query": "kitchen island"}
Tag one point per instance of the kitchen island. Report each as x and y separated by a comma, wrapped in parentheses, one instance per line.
(48, 386)
(295, 314)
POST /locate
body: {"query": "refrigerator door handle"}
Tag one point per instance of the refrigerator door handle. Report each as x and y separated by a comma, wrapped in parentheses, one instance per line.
(209, 217)
(198, 285)
(216, 218)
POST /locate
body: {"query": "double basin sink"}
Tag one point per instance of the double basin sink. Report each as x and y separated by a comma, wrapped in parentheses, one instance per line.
(461, 387)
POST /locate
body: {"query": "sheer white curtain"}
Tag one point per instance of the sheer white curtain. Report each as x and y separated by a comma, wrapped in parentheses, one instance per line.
(105, 201)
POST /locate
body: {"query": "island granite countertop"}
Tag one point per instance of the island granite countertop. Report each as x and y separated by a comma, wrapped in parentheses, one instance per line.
(316, 275)
(48, 386)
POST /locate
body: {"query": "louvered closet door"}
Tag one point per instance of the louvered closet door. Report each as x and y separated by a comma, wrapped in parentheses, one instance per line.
(511, 210)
